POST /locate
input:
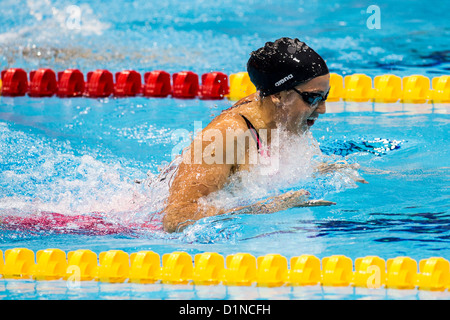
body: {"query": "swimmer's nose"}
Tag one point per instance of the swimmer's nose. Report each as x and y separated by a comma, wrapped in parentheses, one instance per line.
(322, 108)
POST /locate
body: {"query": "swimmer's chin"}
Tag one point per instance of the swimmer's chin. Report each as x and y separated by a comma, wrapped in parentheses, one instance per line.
(306, 125)
(300, 129)
(304, 129)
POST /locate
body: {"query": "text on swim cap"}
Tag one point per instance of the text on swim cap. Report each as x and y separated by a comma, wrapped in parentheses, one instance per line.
(280, 82)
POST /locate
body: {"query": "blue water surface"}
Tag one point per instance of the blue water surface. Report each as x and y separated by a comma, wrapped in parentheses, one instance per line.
(79, 156)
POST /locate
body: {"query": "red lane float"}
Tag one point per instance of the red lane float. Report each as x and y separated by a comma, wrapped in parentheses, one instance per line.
(185, 85)
(70, 83)
(42, 83)
(15, 82)
(157, 84)
(214, 86)
(100, 84)
(128, 83)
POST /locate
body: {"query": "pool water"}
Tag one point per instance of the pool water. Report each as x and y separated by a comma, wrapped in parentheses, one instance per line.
(82, 156)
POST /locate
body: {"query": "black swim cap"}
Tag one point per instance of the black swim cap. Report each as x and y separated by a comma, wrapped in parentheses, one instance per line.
(284, 64)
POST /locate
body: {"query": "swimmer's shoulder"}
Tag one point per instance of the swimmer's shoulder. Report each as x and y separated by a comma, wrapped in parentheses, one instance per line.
(244, 103)
(231, 118)
(233, 115)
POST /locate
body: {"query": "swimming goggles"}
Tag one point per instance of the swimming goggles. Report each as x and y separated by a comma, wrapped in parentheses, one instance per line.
(312, 98)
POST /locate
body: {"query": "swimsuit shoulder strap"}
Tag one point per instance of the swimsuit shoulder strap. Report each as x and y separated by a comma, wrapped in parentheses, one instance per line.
(253, 131)
(250, 126)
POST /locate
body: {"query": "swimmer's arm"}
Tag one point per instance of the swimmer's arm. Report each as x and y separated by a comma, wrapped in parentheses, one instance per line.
(185, 214)
(196, 180)
(179, 216)
(282, 202)
(191, 184)
(326, 167)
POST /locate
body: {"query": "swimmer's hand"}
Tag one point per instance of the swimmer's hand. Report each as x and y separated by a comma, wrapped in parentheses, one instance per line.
(342, 165)
(299, 199)
(281, 202)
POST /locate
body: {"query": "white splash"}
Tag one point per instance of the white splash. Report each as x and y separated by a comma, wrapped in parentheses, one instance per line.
(51, 21)
(299, 157)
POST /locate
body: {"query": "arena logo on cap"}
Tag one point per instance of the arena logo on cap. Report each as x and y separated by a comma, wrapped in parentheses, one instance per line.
(280, 82)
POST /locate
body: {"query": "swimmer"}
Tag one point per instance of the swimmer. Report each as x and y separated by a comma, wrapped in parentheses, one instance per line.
(292, 83)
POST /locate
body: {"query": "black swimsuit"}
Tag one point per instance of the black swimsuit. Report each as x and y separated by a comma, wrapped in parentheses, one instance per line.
(254, 132)
(250, 126)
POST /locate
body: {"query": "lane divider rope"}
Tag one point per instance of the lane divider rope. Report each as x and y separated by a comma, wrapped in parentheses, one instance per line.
(102, 83)
(240, 269)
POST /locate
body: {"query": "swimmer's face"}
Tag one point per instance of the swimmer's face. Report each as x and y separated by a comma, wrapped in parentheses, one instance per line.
(297, 114)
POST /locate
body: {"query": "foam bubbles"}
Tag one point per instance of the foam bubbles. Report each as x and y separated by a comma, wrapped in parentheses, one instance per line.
(298, 160)
(42, 175)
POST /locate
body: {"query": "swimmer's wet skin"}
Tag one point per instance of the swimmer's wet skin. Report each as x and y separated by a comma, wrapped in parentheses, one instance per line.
(292, 83)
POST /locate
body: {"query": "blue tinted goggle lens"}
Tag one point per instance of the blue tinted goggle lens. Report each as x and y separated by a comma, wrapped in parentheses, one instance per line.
(312, 98)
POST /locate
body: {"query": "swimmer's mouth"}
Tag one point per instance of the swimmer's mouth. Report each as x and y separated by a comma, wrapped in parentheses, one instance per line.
(310, 121)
